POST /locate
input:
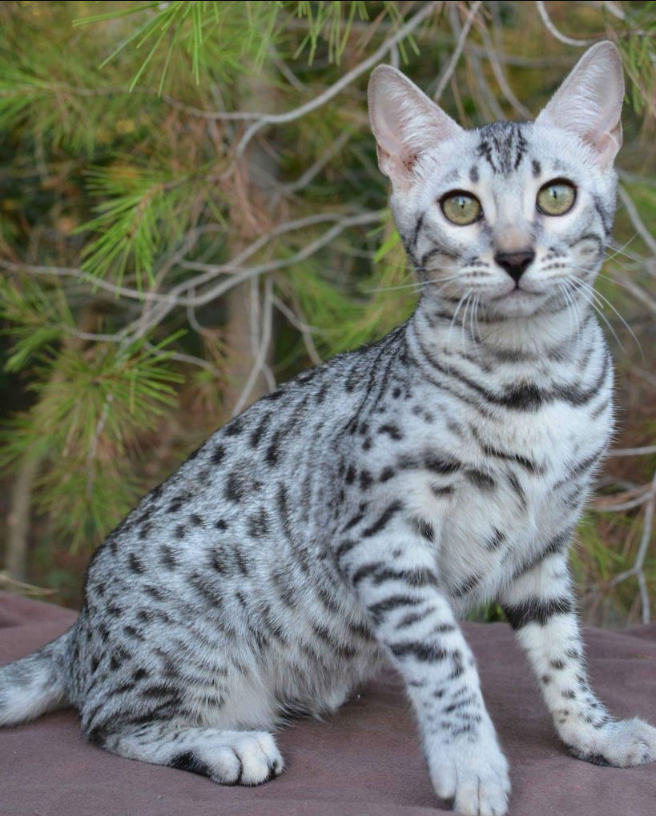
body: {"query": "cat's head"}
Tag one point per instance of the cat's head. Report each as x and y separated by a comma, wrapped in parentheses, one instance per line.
(516, 214)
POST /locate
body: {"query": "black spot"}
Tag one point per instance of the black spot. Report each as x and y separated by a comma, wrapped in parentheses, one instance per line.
(189, 762)
(536, 168)
(218, 455)
(221, 524)
(168, 560)
(392, 431)
(135, 564)
(380, 609)
(536, 611)
(196, 520)
(439, 464)
(473, 174)
(234, 428)
(383, 520)
(467, 586)
(527, 397)
(258, 525)
(386, 474)
(366, 480)
(425, 528)
(154, 592)
(495, 540)
(233, 490)
(425, 652)
(139, 674)
(180, 532)
(442, 490)
(480, 479)
(255, 437)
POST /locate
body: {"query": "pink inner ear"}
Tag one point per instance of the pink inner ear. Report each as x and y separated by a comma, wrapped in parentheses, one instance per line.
(405, 122)
(589, 102)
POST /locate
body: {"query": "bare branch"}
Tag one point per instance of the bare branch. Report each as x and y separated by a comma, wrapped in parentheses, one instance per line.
(265, 341)
(647, 450)
(450, 67)
(304, 329)
(174, 296)
(551, 28)
(637, 569)
(310, 174)
(636, 220)
(500, 76)
(342, 82)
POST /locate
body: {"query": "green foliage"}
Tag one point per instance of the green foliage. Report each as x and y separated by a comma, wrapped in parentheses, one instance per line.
(124, 183)
(91, 407)
(140, 212)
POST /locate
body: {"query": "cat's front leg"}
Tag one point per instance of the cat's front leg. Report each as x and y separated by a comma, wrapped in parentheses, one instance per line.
(397, 585)
(540, 606)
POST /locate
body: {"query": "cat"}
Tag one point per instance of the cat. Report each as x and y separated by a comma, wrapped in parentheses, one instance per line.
(354, 514)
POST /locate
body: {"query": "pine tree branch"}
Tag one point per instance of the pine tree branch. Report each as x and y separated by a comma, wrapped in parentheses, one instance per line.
(343, 82)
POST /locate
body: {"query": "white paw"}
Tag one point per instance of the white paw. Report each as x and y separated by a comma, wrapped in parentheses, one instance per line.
(244, 758)
(474, 775)
(620, 744)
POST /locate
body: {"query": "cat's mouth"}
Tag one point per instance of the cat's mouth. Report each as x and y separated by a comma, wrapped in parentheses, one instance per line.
(518, 293)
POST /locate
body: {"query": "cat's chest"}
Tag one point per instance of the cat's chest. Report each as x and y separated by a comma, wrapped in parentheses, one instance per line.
(509, 497)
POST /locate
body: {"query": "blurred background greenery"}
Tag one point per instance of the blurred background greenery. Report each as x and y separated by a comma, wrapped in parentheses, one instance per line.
(191, 211)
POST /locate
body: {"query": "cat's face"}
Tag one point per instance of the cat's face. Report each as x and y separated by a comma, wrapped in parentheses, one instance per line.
(512, 218)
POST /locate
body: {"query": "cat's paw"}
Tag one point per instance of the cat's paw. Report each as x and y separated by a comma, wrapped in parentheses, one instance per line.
(473, 774)
(620, 744)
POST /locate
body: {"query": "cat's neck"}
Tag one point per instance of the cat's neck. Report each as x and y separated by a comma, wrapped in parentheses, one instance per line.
(541, 336)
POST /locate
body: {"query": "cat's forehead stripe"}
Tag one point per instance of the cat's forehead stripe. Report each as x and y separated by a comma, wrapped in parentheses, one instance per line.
(503, 146)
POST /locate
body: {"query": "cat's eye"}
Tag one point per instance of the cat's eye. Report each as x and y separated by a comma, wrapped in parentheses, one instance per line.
(461, 208)
(556, 197)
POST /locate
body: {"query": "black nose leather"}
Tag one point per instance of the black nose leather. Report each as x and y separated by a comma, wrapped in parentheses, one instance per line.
(515, 263)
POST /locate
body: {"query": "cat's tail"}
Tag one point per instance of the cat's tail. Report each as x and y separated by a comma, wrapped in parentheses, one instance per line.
(34, 684)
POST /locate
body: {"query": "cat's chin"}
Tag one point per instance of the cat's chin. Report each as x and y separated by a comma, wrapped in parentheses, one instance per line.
(517, 303)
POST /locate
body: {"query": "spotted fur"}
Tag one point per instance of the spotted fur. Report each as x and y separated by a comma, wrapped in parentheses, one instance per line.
(356, 513)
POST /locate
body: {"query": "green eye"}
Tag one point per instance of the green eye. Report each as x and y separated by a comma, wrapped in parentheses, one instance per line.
(556, 197)
(461, 208)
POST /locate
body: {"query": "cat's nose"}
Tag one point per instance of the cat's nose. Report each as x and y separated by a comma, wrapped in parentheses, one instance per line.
(515, 263)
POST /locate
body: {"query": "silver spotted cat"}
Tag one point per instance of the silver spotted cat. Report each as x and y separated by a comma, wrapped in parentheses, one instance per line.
(353, 515)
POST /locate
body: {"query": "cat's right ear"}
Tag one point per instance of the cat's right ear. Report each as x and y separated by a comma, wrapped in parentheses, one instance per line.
(405, 123)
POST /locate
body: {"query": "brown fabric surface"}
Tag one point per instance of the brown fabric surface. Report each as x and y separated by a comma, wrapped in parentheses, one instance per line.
(365, 761)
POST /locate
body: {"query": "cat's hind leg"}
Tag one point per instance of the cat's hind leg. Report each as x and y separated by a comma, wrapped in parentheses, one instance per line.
(226, 757)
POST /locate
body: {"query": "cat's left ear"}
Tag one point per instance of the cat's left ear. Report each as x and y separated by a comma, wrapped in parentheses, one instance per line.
(405, 122)
(589, 102)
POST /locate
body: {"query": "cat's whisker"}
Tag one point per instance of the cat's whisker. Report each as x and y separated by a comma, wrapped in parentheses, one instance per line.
(453, 318)
(413, 285)
(572, 310)
(463, 325)
(604, 300)
(589, 297)
(620, 250)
